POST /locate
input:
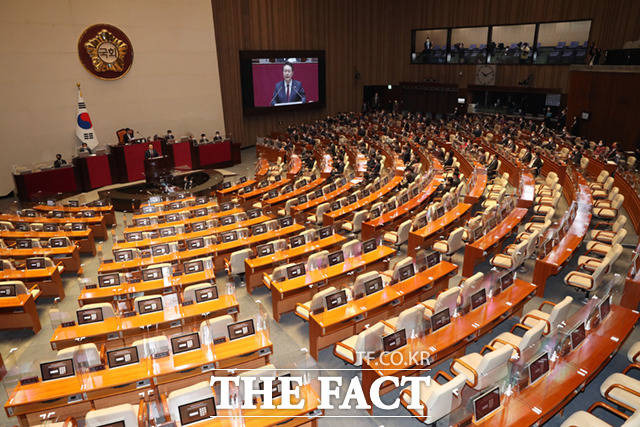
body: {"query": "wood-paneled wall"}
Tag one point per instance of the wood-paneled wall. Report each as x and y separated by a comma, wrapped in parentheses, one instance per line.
(373, 37)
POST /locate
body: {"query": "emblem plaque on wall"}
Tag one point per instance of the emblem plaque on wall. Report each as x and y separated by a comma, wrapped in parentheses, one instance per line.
(105, 51)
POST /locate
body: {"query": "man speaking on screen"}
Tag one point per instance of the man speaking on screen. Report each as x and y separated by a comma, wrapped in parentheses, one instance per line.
(288, 90)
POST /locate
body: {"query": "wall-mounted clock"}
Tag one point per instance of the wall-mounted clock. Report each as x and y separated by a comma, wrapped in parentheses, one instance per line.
(486, 75)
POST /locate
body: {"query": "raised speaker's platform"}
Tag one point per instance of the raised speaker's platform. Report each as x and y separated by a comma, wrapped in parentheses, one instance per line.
(129, 197)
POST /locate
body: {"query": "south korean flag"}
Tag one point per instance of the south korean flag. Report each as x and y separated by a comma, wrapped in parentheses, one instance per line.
(84, 127)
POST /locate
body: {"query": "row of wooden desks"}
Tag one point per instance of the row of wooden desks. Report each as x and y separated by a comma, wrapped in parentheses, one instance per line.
(187, 221)
(286, 294)
(20, 312)
(76, 395)
(476, 251)
(330, 218)
(116, 332)
(374, 227)
(246, 199)
(145, 243)
(568, 376)
(449, 341)
(327, 198)
(177, 210)
(97, 223)
(69, 255)
(282, 199)
(106, 211)
(49, 279)
(331, 326)
(82, 238)
(256, 267)
(218, 251)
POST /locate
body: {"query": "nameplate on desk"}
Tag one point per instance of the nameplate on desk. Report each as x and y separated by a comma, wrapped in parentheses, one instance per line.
(37, 263)
(57, 369)
(296, 270)
(229, 236)
(325, 232)
(29, 380)
(285, 221)
(197, 411)
(89, 315)
(193, 266)
(7, 290)
(185, 343)
(50, 227)
(88, 214)
(440, 319)
(406, 272)
(206, 294)
(369, 245)
(240, 329)
(150, 305)
(336, 257)
(122, 357)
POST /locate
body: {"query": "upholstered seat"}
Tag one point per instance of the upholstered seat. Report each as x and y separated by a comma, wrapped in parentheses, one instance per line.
(436, 400)
(551, 320)
(125, 413)
(520, 344)
(183, 396)
(400, 236)
(317, 302)
(214, 329)
(482, 371)
(353, 349)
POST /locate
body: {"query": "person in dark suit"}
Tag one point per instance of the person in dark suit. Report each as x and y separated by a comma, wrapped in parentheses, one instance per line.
(535, 163)
(169, 136)
(151, 152)
(217, 137)
(287, 89)
(527, 157)
(492, 167)
(128, 136)
(59, 161)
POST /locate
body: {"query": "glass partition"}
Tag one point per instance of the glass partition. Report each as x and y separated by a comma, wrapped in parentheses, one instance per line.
(469, 45)
(430, 47)
(562, 42)
(511, 44)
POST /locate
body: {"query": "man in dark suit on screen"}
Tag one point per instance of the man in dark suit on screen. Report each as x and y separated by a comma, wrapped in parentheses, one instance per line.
(287, 89)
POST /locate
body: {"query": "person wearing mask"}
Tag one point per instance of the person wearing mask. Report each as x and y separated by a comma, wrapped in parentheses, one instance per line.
(203, 139)
(169, 136)
(59, 161)
(217, 137)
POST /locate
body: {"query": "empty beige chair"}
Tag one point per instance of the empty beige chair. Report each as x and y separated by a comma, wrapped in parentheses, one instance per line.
(6, 225)
(320, 211)
(547, 193)
(446, 299)
(356, 224)
(537, 230)
(410, 319)
(318, 261)
(358, 284)
(473, 224)
(352, 249)
(452, 245)
(36, 226)
(7, 264)
(601, 193)
(107, 309)
(587, 419)
(235, 265)
(84, 356)
(558, 314)
(602, 203)
(521, 345)
(393, 275)
(614, 203)
(272, 225)
(400, 236)
(191, 394)
(610, 211)
(353, 349)
(436, 400)
(125, 415)
(588, 282)
(189, 293)
(279, 245)
(513, 260)
(541, 221)
(588, 263)
(278, 274)
(309, 235)
(606, 236)
(377, 205)
(468, 287)
(622, 389)
(603, 248)
(152, 347)
(316, 304)
(494, 198)
(419, 220)
(287, 207)
(634, 352)
(482, 371)
(243, 233)
(602, 177)
(498, 183)
(212, 330)
(546, 206)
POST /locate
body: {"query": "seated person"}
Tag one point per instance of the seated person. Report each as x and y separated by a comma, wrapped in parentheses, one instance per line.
(59, 161)
(85, 149)
(203, 139)
(169, 136)
(151, 152)
(128, 136)
(217, 137)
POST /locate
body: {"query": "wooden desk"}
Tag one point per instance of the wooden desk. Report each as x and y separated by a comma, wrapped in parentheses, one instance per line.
(74, 396)
(116, 332)
(479, 184)
(69, 256)
(295, 165)
(331, 217)
(449, 341)
(145, 243)
(247, 199)
(527, 189)
(82, 238)
(188, 221)
(424, 237)
(97, 223)
(329, 327)
(375, 227)
(551, 393)
(218, 251)
(282, 199)
(226, 194)
(286, 294)
(106, 211)
(48, 280)
(478, 249)
(20, 312)
(256, 267)
(131, 290)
